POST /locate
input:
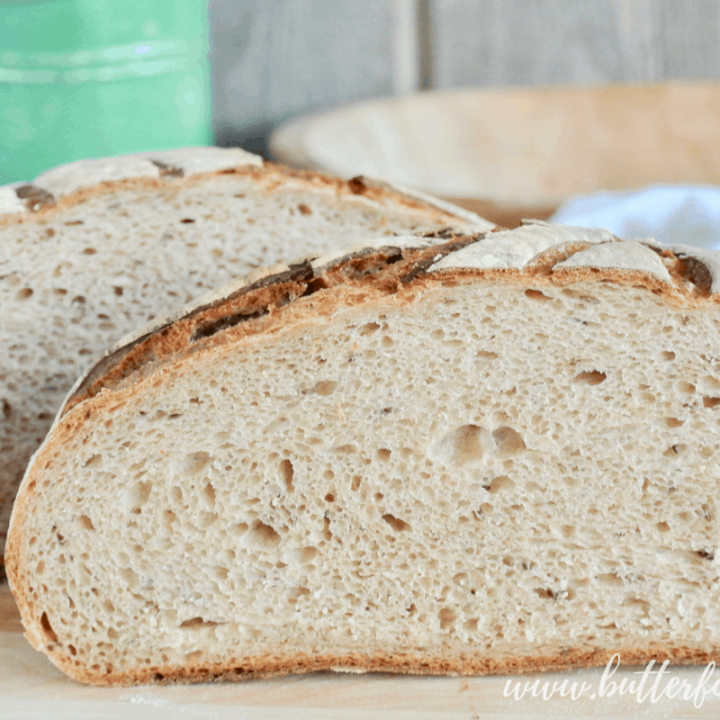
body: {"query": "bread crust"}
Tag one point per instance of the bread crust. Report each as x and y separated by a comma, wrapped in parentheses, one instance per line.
(359, 278)
(43, 206)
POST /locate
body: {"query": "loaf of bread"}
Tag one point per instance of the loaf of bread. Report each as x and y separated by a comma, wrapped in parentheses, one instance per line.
(483, 454)
(91, 250)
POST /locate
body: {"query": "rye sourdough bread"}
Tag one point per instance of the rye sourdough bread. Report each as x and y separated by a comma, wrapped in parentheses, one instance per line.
(494, 453)
(91, 250)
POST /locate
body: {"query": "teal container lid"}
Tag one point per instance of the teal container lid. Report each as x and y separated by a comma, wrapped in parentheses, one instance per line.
(95, 78)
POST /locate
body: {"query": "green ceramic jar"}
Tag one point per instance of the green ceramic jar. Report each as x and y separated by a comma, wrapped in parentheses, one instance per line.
(94, 78)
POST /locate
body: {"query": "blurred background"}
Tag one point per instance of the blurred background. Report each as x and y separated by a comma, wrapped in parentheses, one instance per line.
(433, 94)
(276, 59)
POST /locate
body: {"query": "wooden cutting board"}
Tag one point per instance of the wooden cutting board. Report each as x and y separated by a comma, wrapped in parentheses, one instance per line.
(31, 687)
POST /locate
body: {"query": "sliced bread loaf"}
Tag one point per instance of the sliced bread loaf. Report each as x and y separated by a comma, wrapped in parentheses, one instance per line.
(493, 454)
(91, 250)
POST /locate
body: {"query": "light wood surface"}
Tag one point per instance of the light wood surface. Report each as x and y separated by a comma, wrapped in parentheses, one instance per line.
(522, 147)
(31, 687)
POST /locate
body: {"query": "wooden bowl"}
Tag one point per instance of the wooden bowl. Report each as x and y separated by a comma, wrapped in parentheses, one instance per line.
(513, 153)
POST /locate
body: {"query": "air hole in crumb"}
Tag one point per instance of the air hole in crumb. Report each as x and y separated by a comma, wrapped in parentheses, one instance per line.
(286, 473)
(668, 355)
(711, 402)
(447, 617)
(329, 498)
(239, 529)
(47, 628)
(672, 422)
(675, 450)
(324, 388)
(261, 537)
(86, 522)
(463, 445)
(137, 495)
(297, 592)
(304, 209)
(663, 527)
(25, 293)
(129, 576)
(306, 554)
(500, 482)
(209, 495)
(355, 485)
(196, 462)
(609, 579)
(326, 529)
(383, 454)
(536, 295)
(93, 461)
(72, 650)
(396, 523)
(508, 441)
(369, 328)
(197, 623)
(590, 377)
(187, 221)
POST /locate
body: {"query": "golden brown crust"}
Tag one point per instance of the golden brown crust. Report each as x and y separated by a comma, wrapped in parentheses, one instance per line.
(450, 663)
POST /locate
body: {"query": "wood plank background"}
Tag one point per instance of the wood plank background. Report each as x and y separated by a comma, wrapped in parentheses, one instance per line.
(277, 59)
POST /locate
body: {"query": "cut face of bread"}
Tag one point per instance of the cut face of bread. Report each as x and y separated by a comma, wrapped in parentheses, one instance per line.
(495, 454)
(92, 250)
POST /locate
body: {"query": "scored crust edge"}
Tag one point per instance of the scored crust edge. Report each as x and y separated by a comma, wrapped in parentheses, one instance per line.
(526, 250)
(690, 282)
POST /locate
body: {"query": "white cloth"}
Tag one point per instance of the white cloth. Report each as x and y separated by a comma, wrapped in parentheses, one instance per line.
(688, 214)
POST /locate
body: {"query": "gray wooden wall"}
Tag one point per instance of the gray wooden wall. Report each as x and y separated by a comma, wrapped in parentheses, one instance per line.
(275, 59)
